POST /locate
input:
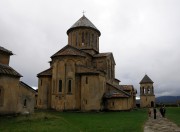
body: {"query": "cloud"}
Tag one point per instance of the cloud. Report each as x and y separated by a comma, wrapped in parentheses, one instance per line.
(144, 36)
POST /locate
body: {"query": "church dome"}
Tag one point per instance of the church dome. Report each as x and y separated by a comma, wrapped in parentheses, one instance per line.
(83, 22)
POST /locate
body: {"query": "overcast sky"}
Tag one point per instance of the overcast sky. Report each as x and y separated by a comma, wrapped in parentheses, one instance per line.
(144, 36)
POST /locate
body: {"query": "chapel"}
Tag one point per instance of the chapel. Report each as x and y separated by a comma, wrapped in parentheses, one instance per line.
(81, 78)
(15, 96)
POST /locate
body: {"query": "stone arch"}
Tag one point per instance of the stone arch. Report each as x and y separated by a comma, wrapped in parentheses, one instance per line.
(79, 62)
(69, 65)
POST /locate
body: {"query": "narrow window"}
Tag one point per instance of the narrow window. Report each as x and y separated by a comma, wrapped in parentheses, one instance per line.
(41, 82)
(53, 86)
(93, 40)
(1, 96)
(86, 80)
(25, 103)
(69, 86)
(60, 86)
(86, 40)
(76, 38)
(82, 38)
(113, 103)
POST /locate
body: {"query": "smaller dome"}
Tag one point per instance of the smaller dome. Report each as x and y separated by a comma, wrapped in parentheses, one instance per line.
(83, 22)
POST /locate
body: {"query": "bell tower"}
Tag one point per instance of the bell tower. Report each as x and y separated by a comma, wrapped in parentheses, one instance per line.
(84, 35)
(147, 97)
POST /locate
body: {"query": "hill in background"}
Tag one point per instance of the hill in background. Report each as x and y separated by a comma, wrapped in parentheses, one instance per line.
(168, 99)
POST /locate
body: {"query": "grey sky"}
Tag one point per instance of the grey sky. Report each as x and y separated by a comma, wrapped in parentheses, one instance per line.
(144, 36)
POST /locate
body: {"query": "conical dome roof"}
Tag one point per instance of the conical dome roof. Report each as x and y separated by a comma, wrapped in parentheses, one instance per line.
(83, 22)
(146, 79)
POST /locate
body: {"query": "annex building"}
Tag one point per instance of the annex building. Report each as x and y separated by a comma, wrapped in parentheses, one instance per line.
(82, 78)
(15, 96)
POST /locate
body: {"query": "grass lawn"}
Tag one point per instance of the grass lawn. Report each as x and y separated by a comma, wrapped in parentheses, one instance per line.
(173, 113)
(48, 121)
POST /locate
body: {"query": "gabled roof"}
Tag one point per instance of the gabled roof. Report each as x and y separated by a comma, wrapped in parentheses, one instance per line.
(114, 94)
(69, 50)
(80, 69)
(27, 86)
(83, 22)
(102, 54)
(7, 70)
(47, 72)
(122, 92)
(2, 49)
(105, 55)
(126, 87)
(146, 79)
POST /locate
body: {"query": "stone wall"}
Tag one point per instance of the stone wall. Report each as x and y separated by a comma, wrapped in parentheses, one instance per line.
(10, 88)
(4, 59)
(26, 99)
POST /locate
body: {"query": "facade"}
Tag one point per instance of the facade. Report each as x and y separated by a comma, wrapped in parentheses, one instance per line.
(81, 78)
(147, 97)
(15, 96)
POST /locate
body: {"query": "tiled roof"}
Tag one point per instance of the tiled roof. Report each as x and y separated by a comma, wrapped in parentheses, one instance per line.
(6, 51)
(126, 87)
(7, 70)
(83, 22)
(86, 70)
(105, 55)
(146, 79)
(69, 50)
(118, 88)
(47, 72)
(102, 54)
(114, 94)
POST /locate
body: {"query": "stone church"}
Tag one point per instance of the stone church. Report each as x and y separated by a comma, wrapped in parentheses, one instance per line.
(15, 95)
(82, 78)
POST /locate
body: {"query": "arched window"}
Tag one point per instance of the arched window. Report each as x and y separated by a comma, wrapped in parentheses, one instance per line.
(76, 38)
(82, 38)
(1, 96)
(92, 40)
(25, 102)
(60, 86)
(69, 86)
(86, 40)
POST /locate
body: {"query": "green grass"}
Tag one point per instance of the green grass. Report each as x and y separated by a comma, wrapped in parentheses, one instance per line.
(173, 113)
(48, 121)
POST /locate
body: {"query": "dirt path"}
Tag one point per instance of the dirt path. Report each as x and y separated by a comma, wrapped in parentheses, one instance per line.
(160, 124)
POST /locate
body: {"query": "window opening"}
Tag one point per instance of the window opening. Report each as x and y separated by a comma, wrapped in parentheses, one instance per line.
(25, 103)
(69, 86)
(86, 80)
(60, 85)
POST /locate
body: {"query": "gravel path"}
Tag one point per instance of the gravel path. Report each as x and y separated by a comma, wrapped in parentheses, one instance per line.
(160, 124)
